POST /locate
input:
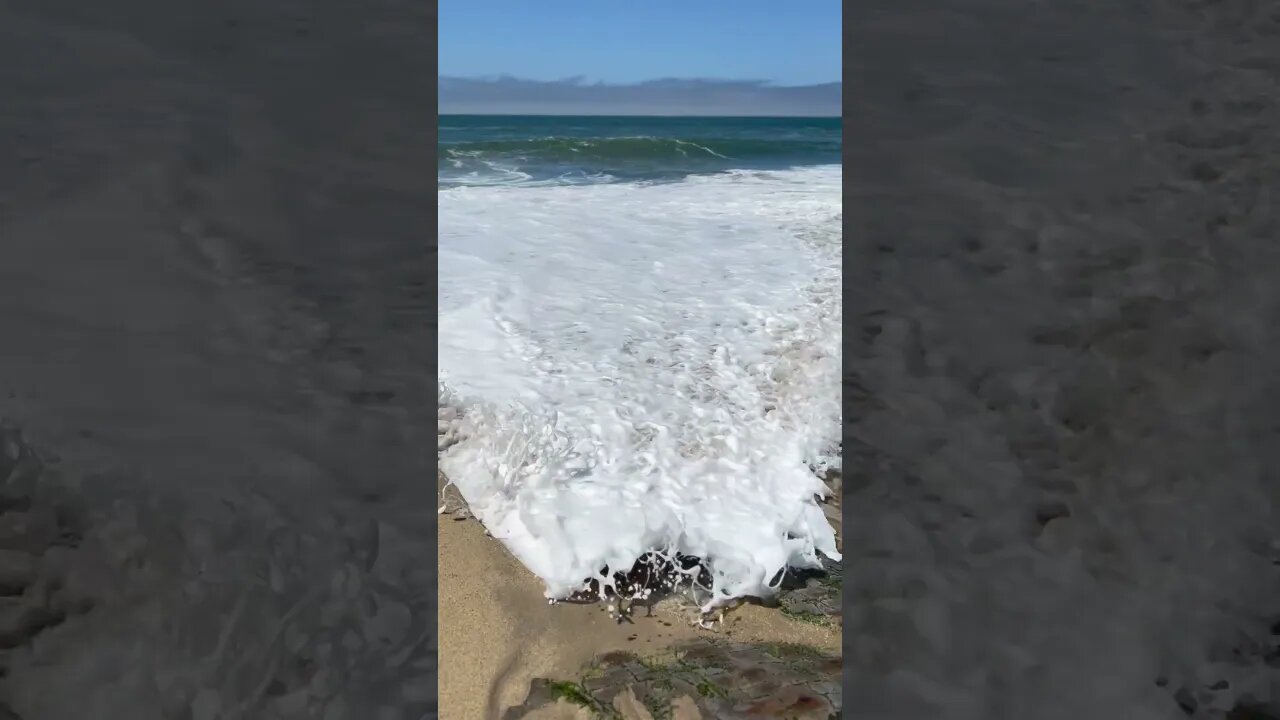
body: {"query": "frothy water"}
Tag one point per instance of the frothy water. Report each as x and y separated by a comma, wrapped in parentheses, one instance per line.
(627, 368)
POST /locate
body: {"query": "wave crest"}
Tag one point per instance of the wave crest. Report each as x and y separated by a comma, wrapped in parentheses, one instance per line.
(639, 157)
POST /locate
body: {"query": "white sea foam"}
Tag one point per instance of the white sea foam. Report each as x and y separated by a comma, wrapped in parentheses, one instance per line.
(628, 368)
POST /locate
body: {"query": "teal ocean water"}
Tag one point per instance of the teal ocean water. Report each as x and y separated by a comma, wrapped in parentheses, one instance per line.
(489, 150)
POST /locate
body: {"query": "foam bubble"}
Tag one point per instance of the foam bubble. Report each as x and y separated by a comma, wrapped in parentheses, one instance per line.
(630, 368)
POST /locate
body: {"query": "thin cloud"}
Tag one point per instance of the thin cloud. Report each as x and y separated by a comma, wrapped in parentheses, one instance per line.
(505, 94)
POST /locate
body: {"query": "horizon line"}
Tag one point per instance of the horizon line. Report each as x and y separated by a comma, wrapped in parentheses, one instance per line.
(647, 115)
(583, 81)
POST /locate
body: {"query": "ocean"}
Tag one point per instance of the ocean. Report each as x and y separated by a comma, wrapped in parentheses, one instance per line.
(485, 149)
(639, 340)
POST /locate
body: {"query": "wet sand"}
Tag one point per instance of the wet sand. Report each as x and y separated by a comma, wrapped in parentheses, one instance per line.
(498, 633)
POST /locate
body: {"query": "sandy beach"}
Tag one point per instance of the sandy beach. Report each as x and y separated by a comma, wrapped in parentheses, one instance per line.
(498, 632)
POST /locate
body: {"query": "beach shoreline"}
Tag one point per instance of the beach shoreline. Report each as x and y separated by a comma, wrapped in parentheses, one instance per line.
(498, 633)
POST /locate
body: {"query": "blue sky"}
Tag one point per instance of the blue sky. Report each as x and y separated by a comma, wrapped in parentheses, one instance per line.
(616, 42)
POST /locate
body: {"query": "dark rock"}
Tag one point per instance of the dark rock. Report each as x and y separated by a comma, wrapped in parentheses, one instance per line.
(719, 679)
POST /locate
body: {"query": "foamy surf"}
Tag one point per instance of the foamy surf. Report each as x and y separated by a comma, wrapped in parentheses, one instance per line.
(630, 369)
